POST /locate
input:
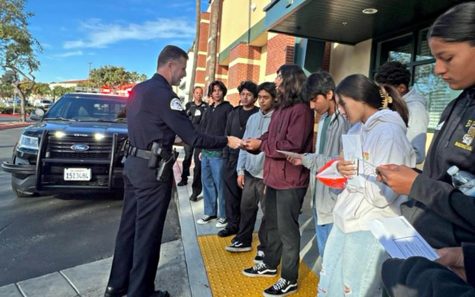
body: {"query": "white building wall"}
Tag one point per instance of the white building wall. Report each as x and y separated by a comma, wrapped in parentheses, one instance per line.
(348, 59)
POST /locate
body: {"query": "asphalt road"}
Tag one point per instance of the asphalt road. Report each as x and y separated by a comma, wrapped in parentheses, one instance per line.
(45, 234)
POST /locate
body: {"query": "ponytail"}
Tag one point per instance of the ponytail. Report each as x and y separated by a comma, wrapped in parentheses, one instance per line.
(391, 99)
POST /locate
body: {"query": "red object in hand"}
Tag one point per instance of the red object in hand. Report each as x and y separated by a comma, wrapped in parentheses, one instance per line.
(330, 177)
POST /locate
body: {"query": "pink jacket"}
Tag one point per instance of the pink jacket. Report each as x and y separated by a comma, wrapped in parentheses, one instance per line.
(291, 129)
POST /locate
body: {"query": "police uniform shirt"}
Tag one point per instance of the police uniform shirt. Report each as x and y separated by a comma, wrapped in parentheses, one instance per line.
(154, 113)
(195, 112)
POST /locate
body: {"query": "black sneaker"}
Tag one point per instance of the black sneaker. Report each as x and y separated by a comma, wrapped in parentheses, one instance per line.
(194, 197)
(183, 182)
(227, 232)
(259, 257)
(259, 270)
(238, 247)
(281, 288)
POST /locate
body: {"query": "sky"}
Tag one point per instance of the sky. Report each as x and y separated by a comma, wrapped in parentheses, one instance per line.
(85, 34)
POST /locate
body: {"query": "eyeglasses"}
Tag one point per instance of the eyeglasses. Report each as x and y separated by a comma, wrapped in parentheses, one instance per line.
(279, 75)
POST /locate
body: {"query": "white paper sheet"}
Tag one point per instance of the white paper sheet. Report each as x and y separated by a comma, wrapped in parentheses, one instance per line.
(400, 239)
(291, 154)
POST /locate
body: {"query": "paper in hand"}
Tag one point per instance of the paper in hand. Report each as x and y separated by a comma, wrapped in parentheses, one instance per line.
(291, 154)
(400, 239)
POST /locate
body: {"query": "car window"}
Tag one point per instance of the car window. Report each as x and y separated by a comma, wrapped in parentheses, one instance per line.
(88, 109)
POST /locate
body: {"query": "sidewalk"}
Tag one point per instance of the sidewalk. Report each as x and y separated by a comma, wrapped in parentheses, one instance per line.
(181, 270)
(8, 121)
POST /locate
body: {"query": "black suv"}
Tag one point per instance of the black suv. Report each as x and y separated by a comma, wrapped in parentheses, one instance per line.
(78, 145)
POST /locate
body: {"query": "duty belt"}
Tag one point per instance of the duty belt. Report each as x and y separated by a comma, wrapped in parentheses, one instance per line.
(139, 153)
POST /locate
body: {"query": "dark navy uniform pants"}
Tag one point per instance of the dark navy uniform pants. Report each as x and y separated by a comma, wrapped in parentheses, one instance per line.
(137, 248)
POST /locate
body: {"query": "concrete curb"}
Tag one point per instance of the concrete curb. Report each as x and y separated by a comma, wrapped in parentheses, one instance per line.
(5, 126)
(197, 276)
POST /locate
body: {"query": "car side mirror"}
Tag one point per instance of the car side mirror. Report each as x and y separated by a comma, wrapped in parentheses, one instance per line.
(37, 114)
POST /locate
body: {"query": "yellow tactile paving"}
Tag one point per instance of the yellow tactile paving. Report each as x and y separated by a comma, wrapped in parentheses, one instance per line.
(226, 279)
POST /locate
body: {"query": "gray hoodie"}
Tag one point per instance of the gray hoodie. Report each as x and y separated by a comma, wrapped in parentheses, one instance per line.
(384, 141)
(257, 124)
(418, 122)
(323, 197)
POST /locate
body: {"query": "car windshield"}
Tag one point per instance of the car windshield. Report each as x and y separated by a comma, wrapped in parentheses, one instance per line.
(88, 109)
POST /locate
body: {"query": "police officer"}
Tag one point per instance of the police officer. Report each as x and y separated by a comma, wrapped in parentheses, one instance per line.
(195, 110)
(154, 117)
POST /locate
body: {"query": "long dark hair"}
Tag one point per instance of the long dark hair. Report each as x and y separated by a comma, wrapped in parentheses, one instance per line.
(360, 88)
(290, 90)
(456, 25)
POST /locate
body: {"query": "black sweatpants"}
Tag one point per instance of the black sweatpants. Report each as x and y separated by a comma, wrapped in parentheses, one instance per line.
(232, 193)
(282, 209)
(252, 196)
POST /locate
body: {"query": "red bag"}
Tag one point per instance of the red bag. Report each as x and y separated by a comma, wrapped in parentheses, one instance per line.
(330, 177)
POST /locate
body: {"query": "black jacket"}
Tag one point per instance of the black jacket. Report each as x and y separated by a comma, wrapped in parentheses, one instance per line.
(236, 126)
(444, 216)
(214, 119)
(419, 277)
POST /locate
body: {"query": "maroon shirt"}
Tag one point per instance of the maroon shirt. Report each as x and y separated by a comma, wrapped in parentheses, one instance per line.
(290, 129)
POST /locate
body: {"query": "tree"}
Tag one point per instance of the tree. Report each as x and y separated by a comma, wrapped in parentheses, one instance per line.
(6, 90)
(113, 77)
(213, 39)
(41, 89)
(59, 91)
(195, 48)
(17, 46)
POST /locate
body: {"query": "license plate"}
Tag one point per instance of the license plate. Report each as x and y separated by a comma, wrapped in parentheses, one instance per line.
(77, 174)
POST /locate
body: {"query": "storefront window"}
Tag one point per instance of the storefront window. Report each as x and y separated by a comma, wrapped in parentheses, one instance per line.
(413, 51)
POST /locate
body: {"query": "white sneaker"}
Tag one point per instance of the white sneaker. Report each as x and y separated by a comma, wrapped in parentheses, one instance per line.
(221, 223)
(205, 219)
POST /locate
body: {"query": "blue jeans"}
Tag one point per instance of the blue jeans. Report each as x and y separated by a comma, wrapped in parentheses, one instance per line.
(351, 265)
(211, 178)
(321, 233)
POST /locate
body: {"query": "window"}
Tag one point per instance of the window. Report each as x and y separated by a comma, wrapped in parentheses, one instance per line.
(413, 50)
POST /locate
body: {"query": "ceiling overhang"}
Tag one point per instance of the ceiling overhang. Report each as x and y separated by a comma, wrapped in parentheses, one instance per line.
(343, 21)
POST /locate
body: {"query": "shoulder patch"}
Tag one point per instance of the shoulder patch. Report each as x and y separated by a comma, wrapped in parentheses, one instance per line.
(175, 104)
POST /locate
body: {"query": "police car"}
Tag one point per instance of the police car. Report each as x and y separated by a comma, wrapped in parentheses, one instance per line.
(77, 145)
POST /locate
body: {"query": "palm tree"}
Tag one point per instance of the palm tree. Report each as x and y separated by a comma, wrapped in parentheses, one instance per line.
(195, 48)
(213, 36)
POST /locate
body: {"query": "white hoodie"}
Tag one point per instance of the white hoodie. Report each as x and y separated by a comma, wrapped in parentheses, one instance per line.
(384, 141)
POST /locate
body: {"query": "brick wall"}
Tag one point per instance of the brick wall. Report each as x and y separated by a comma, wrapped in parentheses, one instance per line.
(202, 49)
(244, 64)
(280, 50)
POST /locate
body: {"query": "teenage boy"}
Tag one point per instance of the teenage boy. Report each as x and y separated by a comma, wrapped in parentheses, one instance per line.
(235, 126)
(396, 74)
(212, 160)
(320, 88)
(250, 176)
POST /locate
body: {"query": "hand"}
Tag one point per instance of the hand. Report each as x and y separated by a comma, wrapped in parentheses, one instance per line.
(240, 181)
(452, 258)
(294, 161)
(398, 177)
(346, 168)
(252, 144)
(234, 142)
